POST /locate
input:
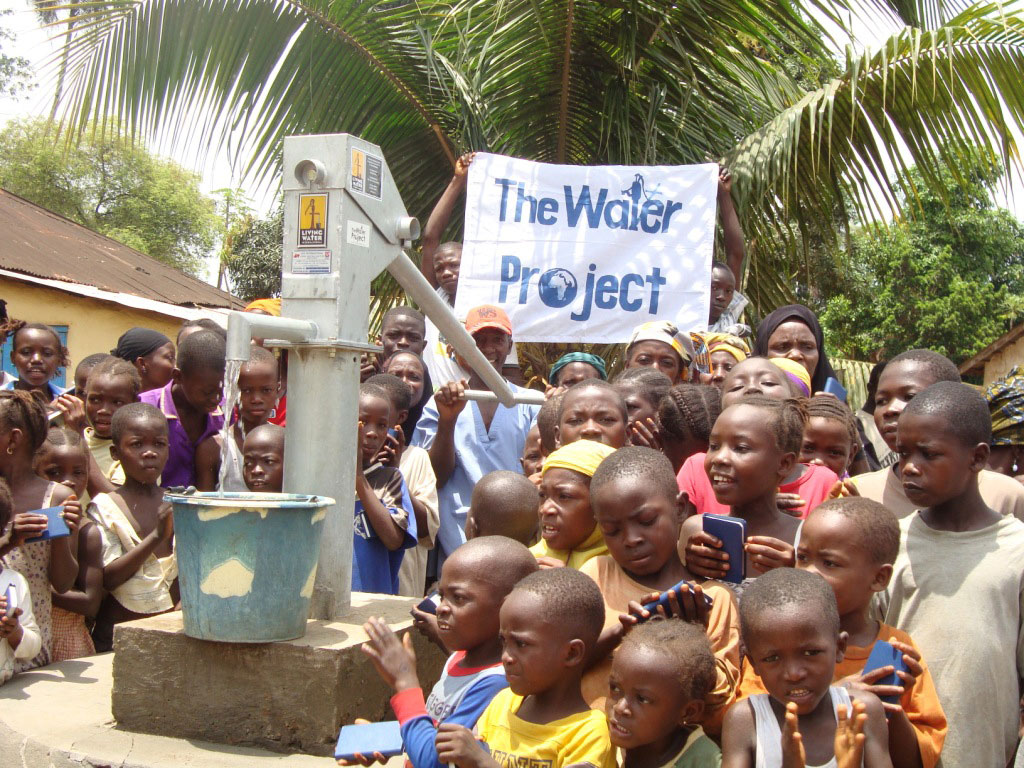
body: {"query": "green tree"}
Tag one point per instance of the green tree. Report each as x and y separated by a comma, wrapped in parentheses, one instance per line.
(15, 71)
(947, 278)
(254, 261)
(112, 185)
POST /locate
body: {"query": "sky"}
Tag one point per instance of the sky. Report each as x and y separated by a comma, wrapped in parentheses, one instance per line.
(216, 171)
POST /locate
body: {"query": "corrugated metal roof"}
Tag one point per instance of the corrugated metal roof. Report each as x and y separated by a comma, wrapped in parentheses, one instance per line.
(44, 244)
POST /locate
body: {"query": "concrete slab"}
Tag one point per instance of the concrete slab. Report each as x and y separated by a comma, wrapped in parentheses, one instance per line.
(290, 696)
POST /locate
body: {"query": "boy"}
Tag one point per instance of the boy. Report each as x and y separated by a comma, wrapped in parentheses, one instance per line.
(790, 628)
(503, 503)
(549, 623)
(112, 384)
(263, 459)
(82, 371)
(385, 525)
(414, 464)
(403, 329)
(903, 377)
(191, 403)
(958, 580)
(533, 452)
(139, 569)
(19, 633)
(465, 443)
(852, 544)
(259, 387)
(474, 582)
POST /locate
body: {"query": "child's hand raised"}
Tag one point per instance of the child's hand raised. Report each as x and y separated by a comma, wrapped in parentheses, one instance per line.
(705, 556)
(724, 181)
(10, 627)
(457, 745)
(849, 743)
(72, 512)
(684, 602)
(767, 553)
(791, 504)
(793, 755)
(74, 412)
(390, 454)
(645, 434)
(843, 488)
(394, 659)
(165, 521)
(869, 682)
(463, 163)
(426, 624)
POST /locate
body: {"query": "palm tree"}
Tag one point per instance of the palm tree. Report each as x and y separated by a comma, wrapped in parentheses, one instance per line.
(623, 81)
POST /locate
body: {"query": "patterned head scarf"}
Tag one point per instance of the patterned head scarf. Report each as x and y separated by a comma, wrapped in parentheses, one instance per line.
(583, 456)
(1006, 404)
(707, 343)
(795, 372)
(579, 357)
(667, 333)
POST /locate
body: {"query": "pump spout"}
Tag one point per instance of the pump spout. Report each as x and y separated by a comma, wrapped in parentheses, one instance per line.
(415, 284)
(242, 326)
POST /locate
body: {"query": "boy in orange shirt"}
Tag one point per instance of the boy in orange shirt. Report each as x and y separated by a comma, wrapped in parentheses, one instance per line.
(852, 543)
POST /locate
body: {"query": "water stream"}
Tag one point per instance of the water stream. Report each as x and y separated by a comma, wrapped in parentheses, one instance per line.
(231, 371)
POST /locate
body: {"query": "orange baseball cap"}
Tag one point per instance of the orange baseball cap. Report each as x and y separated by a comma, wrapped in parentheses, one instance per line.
(487, 316)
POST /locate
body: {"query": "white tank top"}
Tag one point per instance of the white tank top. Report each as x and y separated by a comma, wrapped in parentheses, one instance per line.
(234, 480)
(769, 734)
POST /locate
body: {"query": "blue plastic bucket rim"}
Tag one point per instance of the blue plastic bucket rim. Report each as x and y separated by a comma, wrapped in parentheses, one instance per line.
(239, 499)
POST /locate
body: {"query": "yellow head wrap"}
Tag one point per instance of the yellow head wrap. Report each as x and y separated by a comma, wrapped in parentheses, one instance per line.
(583, 456)
(796, 373)
(726, 342)
(667, 333)
(270, 306)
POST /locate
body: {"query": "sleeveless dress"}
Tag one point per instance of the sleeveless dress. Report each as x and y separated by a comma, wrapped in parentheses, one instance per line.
(32, 561)
(234, 480)
(769, 734)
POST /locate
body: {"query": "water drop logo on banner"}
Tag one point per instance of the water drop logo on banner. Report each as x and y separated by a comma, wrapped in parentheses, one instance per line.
(586, 254)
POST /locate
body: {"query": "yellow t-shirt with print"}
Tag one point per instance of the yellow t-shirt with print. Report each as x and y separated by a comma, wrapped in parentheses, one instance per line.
(580, 739)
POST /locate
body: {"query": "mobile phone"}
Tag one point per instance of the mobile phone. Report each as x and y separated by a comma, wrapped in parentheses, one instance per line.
(12, 599)
(664, 603)
(833, 387)
(429, 603)
(393, 433)
(883, 654)
(55, 525)
(732, 531)
(353, 740)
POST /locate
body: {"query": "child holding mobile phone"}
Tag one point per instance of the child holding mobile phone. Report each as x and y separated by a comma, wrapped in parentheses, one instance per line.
(19, 634)
(754, 445)
(639, 511)
(852, 543)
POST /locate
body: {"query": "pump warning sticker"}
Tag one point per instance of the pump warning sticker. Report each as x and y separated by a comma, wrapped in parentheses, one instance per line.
(311, 262)
(367, 173)
(313, 220)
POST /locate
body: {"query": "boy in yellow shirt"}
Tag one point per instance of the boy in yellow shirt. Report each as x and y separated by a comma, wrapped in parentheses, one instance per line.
(549, 623)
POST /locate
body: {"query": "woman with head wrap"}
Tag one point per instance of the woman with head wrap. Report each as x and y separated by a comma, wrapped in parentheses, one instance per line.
(575, 367)
(717, 354)
(660, 344)
(150, 352)
(799, 378)
(1006, 404)
(569, 533)
(793, 331)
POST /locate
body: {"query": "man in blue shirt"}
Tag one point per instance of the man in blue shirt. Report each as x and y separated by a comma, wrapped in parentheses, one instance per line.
(465, 443)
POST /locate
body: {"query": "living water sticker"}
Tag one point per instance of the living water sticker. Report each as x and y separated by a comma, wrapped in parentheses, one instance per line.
(311, 262)
(367, 173)
(313, 220)
(586, 254)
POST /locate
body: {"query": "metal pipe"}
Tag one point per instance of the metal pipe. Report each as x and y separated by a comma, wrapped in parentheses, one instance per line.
(242, 326)
(530, 397)
(415, 284)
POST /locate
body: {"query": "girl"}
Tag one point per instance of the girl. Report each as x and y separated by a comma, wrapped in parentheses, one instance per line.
(37, 353)
(830, 437)
(569, 532)
(19, 635)
(660, 678)
(754, 445)
(150, 352)
(685, 417)
(63, 458)
(642, 389)
(719, 354)
(409, 367)
(44, 564)
(755, 376)
(592, 410)
(659, 344)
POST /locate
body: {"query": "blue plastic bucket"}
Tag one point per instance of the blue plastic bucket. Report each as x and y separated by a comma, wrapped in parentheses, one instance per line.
(246, 563)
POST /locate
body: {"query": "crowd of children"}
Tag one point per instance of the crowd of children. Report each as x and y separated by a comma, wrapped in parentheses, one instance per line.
(590, 615)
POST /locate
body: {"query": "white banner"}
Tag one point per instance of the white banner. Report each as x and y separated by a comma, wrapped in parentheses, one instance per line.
(586, 254)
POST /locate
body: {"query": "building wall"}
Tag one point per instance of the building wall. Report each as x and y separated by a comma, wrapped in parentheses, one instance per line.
(1001, 363)
(93, 326)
